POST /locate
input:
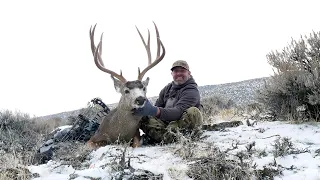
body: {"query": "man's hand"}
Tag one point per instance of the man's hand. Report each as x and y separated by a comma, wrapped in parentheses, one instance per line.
(147, 110)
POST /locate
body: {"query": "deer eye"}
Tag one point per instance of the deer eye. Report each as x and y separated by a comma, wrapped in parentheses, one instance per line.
(127, 91)
(144, 89)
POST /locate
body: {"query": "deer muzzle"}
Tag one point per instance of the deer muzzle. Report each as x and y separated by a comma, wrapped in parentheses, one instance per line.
(140, 100)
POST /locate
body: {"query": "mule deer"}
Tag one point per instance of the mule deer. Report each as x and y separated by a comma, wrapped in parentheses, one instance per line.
(120, 124)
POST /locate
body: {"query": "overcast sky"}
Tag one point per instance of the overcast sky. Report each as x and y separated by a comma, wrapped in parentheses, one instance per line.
(47, 65)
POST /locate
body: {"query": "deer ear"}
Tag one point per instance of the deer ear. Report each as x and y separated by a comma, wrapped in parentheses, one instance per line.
(117, 84)
(145, 82)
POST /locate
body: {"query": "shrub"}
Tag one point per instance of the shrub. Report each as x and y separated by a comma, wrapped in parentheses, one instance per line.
(294, 89)
(20, 136)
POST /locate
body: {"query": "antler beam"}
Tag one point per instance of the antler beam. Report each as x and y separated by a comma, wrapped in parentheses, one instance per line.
(147, 46)
(97, 52)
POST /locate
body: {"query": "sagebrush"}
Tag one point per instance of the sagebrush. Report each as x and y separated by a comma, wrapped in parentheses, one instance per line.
(293, 92)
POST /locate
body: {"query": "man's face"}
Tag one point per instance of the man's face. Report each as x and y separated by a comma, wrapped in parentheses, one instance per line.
(180, 75)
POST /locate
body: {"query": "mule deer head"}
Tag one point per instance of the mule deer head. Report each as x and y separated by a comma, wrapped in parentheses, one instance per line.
(120, 124)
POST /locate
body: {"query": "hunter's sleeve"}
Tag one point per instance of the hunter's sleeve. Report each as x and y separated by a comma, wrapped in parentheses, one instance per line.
(160, 100)
(189, 98)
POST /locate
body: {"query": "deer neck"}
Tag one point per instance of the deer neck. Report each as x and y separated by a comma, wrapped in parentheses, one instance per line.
(124, 111)
(124, 106)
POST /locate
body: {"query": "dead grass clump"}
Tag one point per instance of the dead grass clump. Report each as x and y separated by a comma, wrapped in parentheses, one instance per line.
(15, 174)
(218, 165)
(121, 167)
(214, 105)
(207, 161)
(256, 111)
(284, 146)
(268, 172)
(186, 148)
(72, 153)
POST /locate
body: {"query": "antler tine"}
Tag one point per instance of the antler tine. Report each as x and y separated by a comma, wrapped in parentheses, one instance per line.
(147, 46)
(158, 40)
(91, 34)
(97, 51)
(159, 57)
(93, 47)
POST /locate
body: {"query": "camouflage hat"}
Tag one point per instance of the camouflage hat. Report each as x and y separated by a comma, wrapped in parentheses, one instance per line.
(180, 63)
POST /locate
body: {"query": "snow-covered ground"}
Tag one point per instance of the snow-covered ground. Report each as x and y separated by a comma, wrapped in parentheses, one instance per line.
(163, 161)
(264, 134)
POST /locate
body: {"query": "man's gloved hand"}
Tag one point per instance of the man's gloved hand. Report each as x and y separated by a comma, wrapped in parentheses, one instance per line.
(147, 110)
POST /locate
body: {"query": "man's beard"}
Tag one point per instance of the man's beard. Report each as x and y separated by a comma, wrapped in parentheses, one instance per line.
(177, 83)
(181, 82)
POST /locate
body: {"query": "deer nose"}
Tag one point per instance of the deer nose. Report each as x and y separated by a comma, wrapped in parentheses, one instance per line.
(140, 100)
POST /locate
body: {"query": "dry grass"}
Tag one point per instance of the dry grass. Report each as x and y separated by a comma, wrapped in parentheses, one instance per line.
(73, 153)
(217, 108)
(17, 173)
(225, 115)
(20, 137)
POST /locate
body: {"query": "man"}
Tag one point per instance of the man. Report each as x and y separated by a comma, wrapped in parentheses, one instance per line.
(176, 108)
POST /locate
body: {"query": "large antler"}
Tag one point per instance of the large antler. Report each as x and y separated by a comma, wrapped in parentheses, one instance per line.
(97, 51)
(147, 46)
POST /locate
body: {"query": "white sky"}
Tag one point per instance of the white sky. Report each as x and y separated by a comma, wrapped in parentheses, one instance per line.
(47, 65)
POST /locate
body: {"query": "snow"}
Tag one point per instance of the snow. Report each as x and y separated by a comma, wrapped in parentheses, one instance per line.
(163, 159)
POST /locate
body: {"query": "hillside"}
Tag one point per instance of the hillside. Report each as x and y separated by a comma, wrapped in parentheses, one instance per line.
(242, 93)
